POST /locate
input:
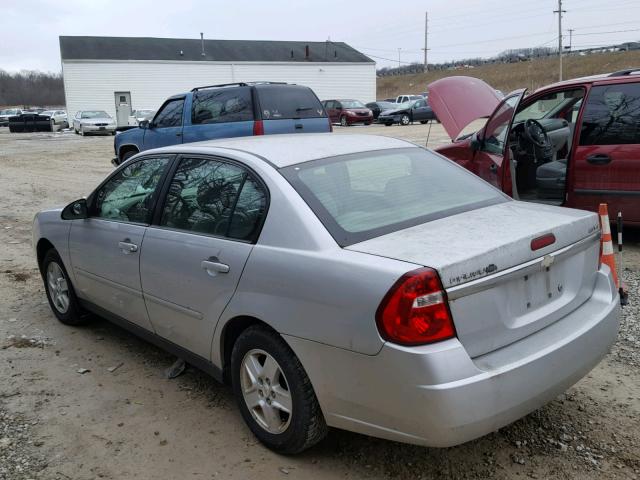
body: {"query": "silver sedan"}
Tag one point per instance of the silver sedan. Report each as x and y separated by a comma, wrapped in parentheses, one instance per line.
(94, 122)
(357, 282)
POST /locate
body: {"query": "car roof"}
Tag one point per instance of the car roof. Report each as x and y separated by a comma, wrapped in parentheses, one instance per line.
(285, 150)
(613, 77)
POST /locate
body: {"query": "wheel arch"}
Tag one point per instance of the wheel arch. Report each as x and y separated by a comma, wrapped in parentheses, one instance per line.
(127, 147)
(231, 330)
(43, 246)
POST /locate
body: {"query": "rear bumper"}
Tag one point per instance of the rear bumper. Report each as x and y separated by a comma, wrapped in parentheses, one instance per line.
(436, 395)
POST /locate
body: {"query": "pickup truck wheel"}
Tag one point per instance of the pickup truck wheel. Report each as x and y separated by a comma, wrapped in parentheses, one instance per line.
(127, 155)
(60, 293)
(274, 393)
(405, 120)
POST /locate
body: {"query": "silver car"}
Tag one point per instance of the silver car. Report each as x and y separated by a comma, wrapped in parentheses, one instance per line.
(94, 122)
(58, 118)
(358, 282)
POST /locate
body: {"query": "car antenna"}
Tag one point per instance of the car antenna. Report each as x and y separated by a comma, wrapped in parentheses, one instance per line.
(428, 134)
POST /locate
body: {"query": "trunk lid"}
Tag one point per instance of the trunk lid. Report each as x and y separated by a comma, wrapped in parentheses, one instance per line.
(457, 101)
(499, 289)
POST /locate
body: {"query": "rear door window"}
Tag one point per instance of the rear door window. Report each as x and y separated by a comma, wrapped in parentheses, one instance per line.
(278, 102)
(215, 198)
(222, 105)
(612, 115)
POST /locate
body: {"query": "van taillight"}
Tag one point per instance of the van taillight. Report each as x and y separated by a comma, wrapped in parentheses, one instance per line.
(415, 311)
(258, 127)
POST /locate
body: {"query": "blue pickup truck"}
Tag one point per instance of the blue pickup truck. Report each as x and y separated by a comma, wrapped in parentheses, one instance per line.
(223, 111)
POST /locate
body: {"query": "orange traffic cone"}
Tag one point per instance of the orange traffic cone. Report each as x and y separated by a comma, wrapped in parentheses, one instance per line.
(606, 246)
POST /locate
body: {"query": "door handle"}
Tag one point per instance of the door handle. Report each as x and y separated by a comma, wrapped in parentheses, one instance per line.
(299, 126)
(179, 134)
(127, 247)
(599, 159)
(213, 267)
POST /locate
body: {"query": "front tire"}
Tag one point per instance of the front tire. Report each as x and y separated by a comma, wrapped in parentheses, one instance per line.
(60, 293)
(274, 393)
(343, 121)
(405, 120)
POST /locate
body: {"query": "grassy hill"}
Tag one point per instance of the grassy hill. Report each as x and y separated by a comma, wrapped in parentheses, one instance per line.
(509, 76)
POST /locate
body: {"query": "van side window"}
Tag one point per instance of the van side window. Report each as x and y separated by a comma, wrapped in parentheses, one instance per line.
(222, 105)
(612, 115)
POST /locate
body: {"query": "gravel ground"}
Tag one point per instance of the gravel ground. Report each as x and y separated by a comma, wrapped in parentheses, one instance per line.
(56, 423)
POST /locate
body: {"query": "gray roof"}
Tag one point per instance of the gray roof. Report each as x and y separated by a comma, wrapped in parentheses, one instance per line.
(147, 48)
(286, 150)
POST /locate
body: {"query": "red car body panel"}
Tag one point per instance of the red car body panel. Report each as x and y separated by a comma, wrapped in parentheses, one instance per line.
(458, 101)
(588, 184)
(351, 115)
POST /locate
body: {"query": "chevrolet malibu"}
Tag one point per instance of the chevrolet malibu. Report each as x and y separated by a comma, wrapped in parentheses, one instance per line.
(357, 282)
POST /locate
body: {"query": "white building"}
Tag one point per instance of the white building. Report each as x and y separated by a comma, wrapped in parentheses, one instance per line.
(118, 74)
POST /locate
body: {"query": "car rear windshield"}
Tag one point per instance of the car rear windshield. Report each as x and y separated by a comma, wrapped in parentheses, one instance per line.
(278, 102)
(369, 194)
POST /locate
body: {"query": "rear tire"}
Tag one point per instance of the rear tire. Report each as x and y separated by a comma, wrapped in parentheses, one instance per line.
(285, 432)
(60, 293)
(423, 122)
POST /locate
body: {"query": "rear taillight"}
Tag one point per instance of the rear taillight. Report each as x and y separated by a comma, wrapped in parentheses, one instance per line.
(258, 127)
(415, 311)
(543, 241)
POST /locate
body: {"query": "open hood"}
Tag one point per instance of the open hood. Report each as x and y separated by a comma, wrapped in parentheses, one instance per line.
(458, 101)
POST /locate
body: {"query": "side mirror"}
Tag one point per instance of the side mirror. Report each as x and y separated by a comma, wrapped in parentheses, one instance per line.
(75, 210)
(144, 124)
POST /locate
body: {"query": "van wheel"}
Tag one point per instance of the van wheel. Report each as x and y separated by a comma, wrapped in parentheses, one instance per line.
(343, 121)
(274, 393)
(60, 293)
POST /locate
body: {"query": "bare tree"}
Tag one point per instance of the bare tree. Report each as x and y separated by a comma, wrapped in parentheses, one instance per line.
(31, 88)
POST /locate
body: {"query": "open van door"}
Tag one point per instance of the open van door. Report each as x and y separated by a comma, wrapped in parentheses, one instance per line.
(491, 145)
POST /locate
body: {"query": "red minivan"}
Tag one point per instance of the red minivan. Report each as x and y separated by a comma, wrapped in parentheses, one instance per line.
(575, 143)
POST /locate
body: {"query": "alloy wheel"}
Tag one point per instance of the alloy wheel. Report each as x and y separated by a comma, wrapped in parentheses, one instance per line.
(265, 391)
(58, 288)
(405, 120)
(343, 121)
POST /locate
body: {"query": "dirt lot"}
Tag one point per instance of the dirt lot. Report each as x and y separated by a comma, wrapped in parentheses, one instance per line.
(133, 423)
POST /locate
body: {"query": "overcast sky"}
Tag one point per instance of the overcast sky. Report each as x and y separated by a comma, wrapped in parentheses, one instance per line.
(457, 28)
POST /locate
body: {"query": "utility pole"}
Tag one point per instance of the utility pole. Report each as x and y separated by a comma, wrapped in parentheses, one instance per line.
(426, 31)
(399, 48)
(560, 12)
(571, 39)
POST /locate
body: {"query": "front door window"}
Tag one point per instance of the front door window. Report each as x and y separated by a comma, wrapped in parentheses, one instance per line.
(129, 195)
